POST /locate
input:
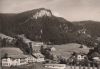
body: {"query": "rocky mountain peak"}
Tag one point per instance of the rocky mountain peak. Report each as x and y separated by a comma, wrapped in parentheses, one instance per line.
(42, 12)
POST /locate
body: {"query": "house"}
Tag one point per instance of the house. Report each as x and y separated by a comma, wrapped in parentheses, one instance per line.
(6, 62)
(53, 49)
(83, 31)
(36, 49)
(98, 39)
(38, 43)
(39, 57)
(55, 66)
(11, 56)
(30, 59)
(80, 56)
(49, 47)
(95, 56)
(97, 59)
(14, 60)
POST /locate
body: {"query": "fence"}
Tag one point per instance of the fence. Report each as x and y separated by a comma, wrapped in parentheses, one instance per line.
(88, 65)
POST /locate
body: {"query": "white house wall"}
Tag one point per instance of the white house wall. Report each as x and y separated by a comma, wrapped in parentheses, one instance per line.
(40, 60)
(6, 62)
(13, 62)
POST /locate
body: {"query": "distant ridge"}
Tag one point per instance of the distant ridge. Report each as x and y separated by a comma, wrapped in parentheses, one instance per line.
(93, 27)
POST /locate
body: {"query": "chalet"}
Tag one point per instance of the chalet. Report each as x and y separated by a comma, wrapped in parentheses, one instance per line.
(55, 66)
(95, 56)
(11, 56)
(53, 49)
(98, 39)
(49, 47)
(39, 57)
(36, 49)
(14, 60)
(30, 59)
(38, 43)
(79, 56)
(36, 57)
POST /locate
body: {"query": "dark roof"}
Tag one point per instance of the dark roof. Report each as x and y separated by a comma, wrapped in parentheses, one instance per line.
(10, 50)
(17, 56)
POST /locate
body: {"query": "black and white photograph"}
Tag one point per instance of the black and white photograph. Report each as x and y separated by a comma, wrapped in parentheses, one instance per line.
(49, 34)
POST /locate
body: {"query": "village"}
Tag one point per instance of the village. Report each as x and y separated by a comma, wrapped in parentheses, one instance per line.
(49, 34)
(69, 56)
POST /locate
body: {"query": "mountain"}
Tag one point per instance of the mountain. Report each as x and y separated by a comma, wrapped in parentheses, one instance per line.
(38, 25)
(92, 27)
(41, 25)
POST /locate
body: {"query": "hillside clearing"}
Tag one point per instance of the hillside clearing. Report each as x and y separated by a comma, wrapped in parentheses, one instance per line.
(67, 49)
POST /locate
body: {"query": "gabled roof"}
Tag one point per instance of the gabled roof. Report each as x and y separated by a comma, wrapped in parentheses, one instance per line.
(10, 51)
(16, 56)
(38, 55)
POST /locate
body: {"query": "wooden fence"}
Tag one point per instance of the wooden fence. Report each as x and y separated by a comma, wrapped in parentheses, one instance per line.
(90, 65)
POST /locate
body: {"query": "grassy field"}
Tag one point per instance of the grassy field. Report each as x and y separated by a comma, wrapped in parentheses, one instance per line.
(67, 49)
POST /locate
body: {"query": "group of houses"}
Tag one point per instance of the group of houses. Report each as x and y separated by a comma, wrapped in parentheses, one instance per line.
(11, 56)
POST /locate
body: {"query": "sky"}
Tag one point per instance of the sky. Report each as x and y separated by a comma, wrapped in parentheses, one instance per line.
(72, 10)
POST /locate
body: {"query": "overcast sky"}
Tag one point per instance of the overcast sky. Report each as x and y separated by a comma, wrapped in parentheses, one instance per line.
(72, 10)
